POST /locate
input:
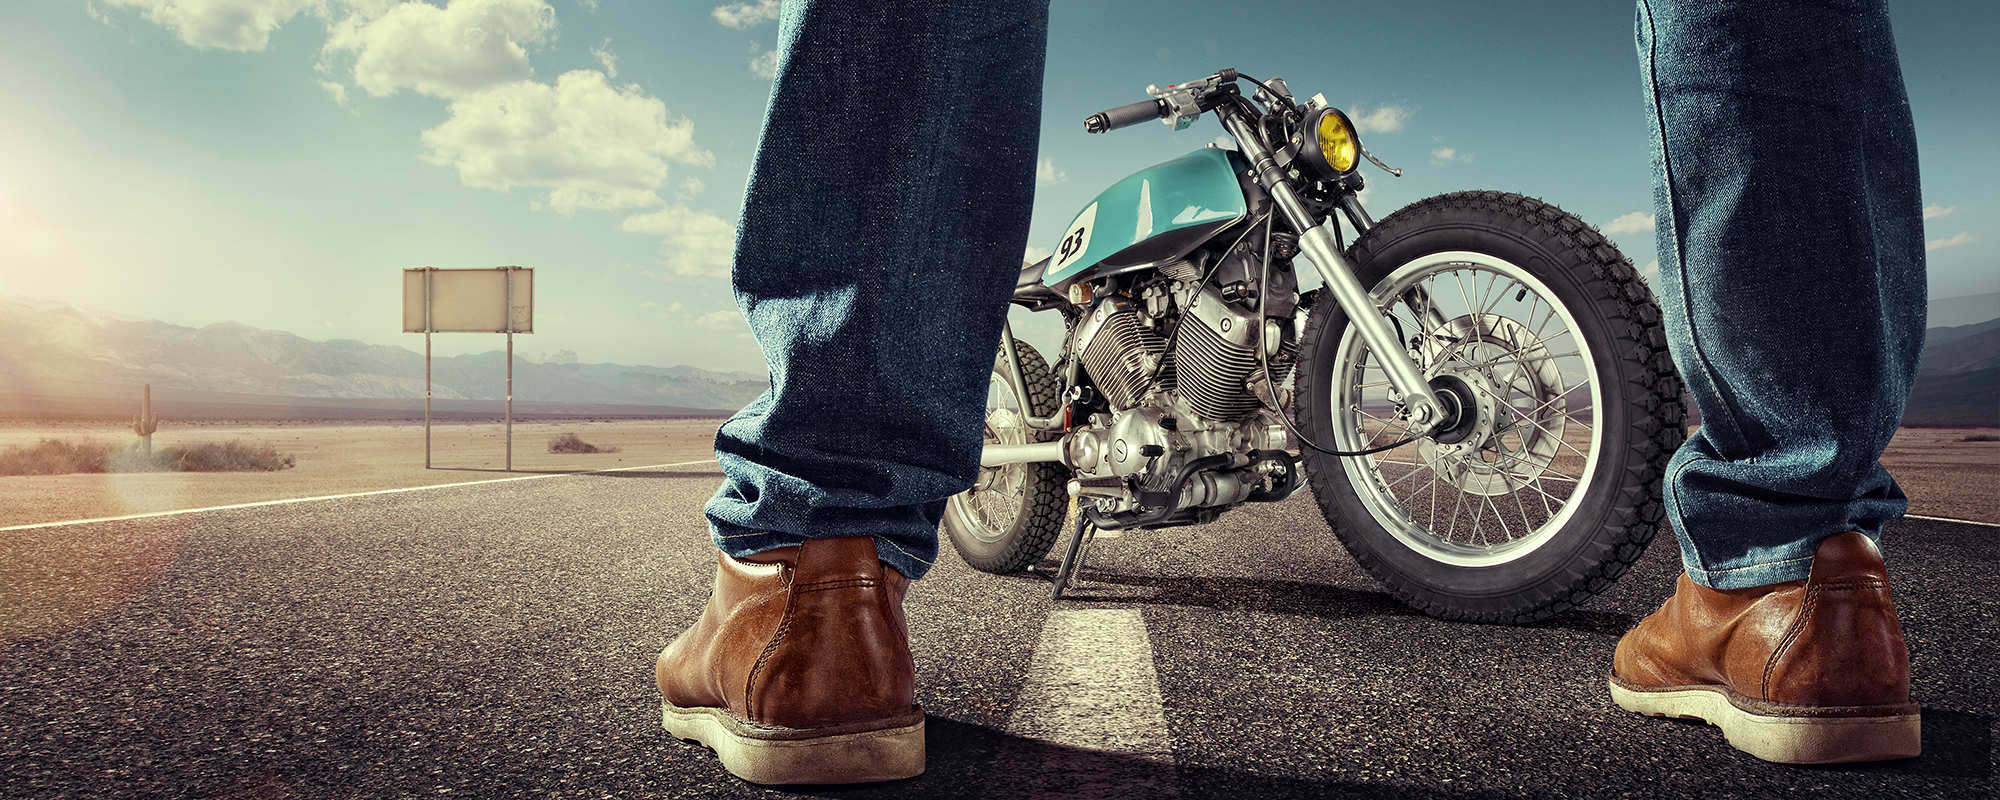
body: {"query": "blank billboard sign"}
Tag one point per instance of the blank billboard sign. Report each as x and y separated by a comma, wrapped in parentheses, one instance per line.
(496, 300)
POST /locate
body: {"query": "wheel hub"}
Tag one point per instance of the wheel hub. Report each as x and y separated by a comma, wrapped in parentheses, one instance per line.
(1461, 409)
(1476, 368)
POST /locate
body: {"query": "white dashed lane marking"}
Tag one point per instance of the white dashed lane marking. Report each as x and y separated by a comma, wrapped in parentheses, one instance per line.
(1090, 717)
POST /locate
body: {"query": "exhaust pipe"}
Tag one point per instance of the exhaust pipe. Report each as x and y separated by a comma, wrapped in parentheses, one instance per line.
(998, 455)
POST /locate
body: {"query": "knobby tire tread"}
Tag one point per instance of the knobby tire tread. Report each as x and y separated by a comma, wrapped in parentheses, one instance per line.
(1653, 394)
(1047, 504)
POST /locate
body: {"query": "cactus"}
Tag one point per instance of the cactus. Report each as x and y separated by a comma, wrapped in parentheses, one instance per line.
(146, 422)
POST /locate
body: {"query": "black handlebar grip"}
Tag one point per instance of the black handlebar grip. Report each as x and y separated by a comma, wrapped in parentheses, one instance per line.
(1122, 116)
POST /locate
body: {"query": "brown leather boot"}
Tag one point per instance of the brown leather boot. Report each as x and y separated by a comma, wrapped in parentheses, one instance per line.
(799, 670)
(1803, 672)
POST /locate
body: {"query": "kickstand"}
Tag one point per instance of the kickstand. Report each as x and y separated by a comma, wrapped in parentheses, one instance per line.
(1072, 562)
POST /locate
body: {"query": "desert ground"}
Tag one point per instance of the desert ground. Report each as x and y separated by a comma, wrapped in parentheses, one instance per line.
(332, 458)
(1944, 475)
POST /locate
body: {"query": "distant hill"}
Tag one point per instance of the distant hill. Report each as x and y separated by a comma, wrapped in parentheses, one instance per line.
(68, 358)
(54, 353)
(1958, 382)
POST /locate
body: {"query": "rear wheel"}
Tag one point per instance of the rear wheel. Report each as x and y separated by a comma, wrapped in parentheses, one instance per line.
(1540, 330)
(1012, 515)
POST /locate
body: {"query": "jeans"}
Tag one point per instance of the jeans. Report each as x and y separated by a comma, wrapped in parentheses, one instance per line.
(888, 210)
(1791, 272)
(882, 235)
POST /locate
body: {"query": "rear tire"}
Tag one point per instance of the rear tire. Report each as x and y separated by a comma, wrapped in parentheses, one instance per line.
(1011, 518)
(1555, 343)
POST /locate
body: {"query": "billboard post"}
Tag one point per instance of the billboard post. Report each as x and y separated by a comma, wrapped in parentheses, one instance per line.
(489, 300)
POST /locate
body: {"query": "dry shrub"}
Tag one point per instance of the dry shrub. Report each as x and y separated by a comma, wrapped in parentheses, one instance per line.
(55, 457)
(65, 457)
(571, 443)
(227, 457)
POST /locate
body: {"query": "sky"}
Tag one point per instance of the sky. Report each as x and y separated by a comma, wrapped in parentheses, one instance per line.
(277, 163)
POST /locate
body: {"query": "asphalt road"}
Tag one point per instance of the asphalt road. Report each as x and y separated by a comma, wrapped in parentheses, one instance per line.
(497, 641)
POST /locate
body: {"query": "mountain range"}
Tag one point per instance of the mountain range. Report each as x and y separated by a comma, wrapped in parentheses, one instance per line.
(57, 351)
(1958, 381)
(65, 358)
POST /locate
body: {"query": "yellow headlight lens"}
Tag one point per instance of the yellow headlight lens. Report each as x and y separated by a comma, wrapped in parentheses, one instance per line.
(1336, 142)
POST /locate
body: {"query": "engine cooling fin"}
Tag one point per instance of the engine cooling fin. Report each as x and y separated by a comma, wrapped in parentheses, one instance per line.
(1121, 359)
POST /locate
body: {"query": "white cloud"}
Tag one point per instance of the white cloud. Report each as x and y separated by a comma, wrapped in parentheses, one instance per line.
(648, 304)
(1651, 272)
(1046, 172)
(1447, 155)
(590, 144)
(694, 243)
(339, 93)
(588, 5)
(763, 64)
(450, 52)
(729, 320)
(1935, 211)
(225, 24)
(1634, 222)
(604, 56)
(1964, 237)
(1387, 119)
(693, 185)
(744, 15)
(1034, 254)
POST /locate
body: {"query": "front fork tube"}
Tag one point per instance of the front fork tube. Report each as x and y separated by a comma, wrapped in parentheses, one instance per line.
(1317, 243)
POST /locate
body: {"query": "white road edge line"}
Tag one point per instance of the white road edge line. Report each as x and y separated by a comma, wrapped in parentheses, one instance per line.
(337, 496)
(1949, 519)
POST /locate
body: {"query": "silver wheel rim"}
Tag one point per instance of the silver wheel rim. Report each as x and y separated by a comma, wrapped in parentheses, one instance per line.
(988, 510)
(1511, 485)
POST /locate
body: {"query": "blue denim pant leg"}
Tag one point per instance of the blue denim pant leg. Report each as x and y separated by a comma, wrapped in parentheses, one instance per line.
(881, 236)
(1791, 272)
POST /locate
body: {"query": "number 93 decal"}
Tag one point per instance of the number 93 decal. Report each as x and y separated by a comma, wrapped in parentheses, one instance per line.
(1076, 241)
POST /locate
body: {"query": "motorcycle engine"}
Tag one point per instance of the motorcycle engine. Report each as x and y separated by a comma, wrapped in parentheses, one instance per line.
(1121, 354)
(1202, 402)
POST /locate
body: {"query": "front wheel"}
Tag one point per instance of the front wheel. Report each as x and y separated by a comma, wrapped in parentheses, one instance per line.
(1542, 333)
(1012, 515)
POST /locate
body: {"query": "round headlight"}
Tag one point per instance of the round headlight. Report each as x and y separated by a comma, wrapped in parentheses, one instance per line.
(1334, 148)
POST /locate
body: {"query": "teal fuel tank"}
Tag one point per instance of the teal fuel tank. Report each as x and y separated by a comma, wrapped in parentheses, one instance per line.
(1157, 214)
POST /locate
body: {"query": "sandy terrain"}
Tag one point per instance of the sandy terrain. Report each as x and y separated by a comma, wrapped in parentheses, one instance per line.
(1944, 476)
(332, 458)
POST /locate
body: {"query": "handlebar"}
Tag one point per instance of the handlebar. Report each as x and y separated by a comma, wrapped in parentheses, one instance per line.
(1126, 115)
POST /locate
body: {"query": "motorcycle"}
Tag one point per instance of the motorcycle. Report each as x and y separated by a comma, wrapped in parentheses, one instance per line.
(1479, 391)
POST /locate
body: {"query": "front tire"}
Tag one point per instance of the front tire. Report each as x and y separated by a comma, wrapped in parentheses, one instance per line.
(1552, 488)
(1011, 517)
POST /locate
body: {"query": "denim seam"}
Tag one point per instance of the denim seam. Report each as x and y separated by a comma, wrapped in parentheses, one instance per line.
(1755, 566)
(1673, 222)
(911, 556)
(1672, 487)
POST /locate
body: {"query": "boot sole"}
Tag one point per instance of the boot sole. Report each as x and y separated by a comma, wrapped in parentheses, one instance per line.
(861, 753)
(1812, 735)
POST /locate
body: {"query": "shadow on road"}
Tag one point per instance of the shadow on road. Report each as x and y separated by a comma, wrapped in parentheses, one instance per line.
(1290, 598)
(973, 761)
